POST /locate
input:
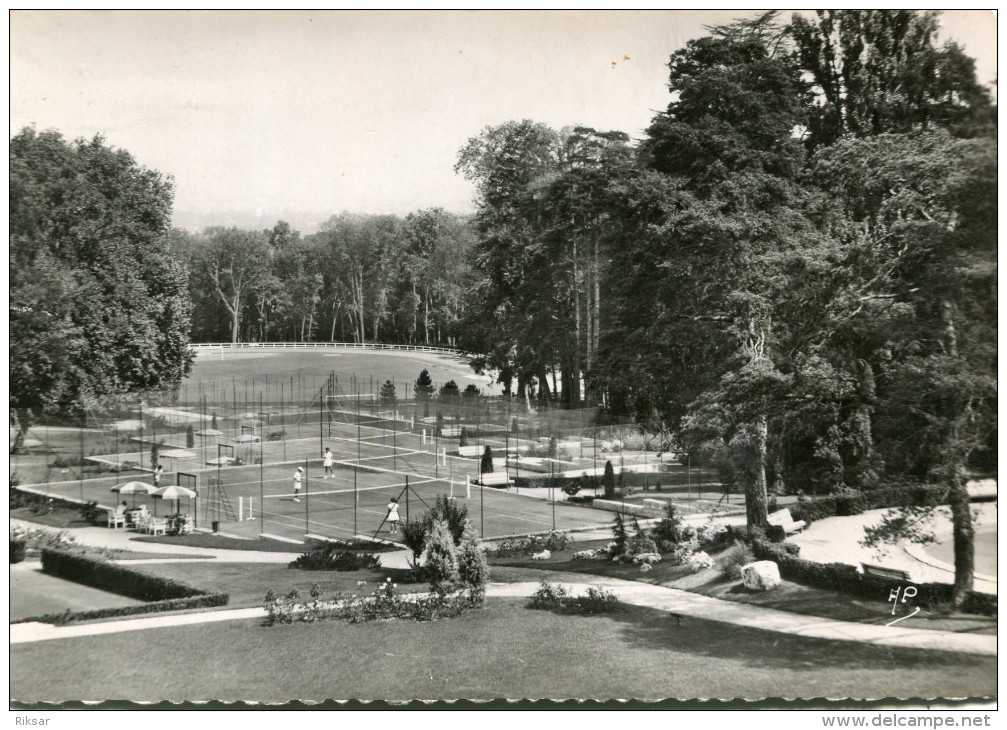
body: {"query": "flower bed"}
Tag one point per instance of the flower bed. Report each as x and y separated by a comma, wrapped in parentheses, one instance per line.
(383, 604)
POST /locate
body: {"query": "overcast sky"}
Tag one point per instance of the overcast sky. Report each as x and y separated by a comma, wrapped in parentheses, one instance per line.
(301, 115)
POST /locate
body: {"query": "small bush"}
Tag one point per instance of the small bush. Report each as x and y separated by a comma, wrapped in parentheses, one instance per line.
(332, 559)
(733, 565)
(776, 533)
(596, 601)
(549, 597)
(90, 512)
(532, 544)
(17, 550)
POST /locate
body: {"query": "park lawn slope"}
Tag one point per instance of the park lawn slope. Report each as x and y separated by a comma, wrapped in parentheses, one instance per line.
(502, 651)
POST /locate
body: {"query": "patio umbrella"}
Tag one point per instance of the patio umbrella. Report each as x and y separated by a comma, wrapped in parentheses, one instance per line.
(209, 432)
(134, 488)
(247, 438)
(175, 493)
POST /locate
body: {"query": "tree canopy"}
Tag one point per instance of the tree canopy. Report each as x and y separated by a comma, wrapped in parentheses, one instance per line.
(98, 303)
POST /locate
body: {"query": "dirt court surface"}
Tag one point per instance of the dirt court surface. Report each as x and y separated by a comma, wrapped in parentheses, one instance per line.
(373, 465)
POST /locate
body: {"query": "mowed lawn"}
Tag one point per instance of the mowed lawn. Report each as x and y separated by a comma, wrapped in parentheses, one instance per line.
(34, 593)
(312, 367)
(248, 583)
(504, 650)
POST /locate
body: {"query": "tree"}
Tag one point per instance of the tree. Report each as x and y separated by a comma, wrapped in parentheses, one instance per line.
(234, 262)
(98, 305)
(698, 331)
(423, 389)
(486, 463)
(190, 437)
(921, 305)
(879, 71)
(473, 570)
(387, 394)
(441, 567)
(449, 392)
(608, 480)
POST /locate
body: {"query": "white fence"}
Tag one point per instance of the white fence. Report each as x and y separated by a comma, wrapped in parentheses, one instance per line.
(220, 346)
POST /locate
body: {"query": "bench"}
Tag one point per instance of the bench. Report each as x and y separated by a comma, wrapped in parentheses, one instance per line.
(471, 452)
(782, 518)
(880, 572)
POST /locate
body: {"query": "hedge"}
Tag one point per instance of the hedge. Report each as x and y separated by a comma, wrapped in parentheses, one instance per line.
(174, 604)
(844, 505)
(120, 579)
(848, 580)
(17, 550)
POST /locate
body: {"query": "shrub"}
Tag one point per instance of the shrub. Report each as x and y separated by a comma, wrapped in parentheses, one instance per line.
(473, 571)
(585, 555)
(486, 463)
(532, 544)
(441, 568)
(776, 533)
(647, 558)
(700, 561)
(547, 596)
(384, 603)
(17, 550)
(36, 538)
(597, 600)
(608, 480)
(90, 512)
(190, 437)
(733, 565)
(414, 535)
(668, 531)
(277, 435)
(330, 558)
(585, 499)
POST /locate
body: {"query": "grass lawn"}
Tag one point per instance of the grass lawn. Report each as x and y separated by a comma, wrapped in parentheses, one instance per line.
(788, 597)
(33, 593)
(265, 544)
(248, 583)
(60, 517)
(504, 650)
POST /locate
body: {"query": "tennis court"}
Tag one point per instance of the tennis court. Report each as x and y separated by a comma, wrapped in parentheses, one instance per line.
(372, 466)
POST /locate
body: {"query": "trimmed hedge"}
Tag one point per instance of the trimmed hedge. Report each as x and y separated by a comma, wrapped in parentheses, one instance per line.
(17, 550)
(113, 578)
(848, 580)
(844, 505)
(174, 604)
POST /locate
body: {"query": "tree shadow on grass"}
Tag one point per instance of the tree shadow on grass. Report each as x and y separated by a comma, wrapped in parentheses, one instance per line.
(661, 631)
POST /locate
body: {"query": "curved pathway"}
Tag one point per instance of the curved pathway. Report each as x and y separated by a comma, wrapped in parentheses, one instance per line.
(679, 602)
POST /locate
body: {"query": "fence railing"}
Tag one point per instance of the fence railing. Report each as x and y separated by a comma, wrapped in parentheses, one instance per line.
(322, 345)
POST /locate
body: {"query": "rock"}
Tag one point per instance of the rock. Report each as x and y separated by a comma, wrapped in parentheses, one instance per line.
(762, 575)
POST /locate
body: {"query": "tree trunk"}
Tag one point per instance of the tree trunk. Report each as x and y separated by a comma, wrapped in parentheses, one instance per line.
(755, 487)
(963, 535)
(572, 395)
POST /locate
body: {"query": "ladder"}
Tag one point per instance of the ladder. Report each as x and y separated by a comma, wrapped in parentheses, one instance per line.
(226, 508)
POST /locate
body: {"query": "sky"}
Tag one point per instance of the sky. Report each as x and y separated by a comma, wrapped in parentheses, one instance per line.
(300, 115)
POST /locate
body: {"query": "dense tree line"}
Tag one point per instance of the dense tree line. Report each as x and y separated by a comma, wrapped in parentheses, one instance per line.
(793, 273)
(359, 279)
(98, 304)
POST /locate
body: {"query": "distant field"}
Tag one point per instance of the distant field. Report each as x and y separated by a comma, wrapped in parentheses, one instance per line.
(307, 370)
